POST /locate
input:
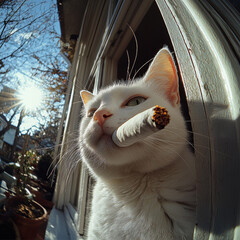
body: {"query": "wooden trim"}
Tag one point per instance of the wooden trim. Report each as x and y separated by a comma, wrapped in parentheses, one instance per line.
(209, 69)
(82, 199)
(189, 74)
(75, 184)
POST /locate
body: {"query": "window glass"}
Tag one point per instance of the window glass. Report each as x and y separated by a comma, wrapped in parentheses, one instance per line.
(151, 35)
(236, 4)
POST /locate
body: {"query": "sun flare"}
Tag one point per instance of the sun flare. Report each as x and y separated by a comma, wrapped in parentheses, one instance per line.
(31, 97)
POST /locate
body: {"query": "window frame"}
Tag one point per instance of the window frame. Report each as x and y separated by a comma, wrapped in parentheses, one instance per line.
(203, 29)
(190, 25)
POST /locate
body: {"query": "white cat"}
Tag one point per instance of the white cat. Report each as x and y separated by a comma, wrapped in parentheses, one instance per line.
(145, 191)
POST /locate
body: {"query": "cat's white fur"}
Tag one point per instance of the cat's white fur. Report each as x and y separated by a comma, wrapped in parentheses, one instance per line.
(145, 191)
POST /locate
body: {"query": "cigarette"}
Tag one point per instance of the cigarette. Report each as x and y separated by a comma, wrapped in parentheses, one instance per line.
(141, 126)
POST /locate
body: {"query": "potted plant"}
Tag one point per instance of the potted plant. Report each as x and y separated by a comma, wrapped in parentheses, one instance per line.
(27, 214)
(43, 187)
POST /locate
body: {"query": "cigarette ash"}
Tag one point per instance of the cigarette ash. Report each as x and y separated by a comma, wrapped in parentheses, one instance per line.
(160, 117)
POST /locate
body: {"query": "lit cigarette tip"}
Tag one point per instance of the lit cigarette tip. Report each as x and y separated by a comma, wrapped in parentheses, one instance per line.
(160, 117)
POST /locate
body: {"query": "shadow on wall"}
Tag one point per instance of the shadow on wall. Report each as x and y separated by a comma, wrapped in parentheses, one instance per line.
(219, 182)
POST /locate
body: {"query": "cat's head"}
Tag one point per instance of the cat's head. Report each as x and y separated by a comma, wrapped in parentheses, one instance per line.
(114, 105)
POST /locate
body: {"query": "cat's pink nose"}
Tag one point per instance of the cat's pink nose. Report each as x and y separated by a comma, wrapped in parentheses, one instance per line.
(101, 116)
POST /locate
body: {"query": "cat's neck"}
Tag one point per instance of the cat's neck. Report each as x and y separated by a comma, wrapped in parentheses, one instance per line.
(178, 174)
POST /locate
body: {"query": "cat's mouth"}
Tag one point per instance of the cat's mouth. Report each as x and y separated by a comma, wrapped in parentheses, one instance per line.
(107, 139)
(102, 137)
(99, 137)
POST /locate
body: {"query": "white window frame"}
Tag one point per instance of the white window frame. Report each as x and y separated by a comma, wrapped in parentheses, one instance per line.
(212, 95)
(192, 30)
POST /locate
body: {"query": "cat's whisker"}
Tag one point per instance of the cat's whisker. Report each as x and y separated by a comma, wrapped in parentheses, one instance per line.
(156, 139)
(195, 120)
(136, 53)
(141, 68)
(166, 141)
(194, 146)
(198, 134)
(64, 145)
(186, 140)
(74, 134)
(168, 148)
(56, 164)
(67, 170)
(173, 143)
(68, 154)
(195, 133)
(54, 146)
(128, 66)
(70, 171)
(197, 145)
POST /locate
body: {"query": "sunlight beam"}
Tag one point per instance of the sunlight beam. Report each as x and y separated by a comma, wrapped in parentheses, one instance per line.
(31, 97)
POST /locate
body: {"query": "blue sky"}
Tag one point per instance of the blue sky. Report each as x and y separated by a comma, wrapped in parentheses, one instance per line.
(43, 40)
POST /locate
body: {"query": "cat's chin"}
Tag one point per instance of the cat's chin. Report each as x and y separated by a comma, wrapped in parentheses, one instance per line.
(106, 140)
(102, 141)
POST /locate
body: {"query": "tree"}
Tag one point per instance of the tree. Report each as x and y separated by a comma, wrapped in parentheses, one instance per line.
(45, 136)
(21, 22)
(7, 104)
(53, 71)
(9, 122)
(30, 50)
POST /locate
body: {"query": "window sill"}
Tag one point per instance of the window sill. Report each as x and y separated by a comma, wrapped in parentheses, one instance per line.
(59, 228)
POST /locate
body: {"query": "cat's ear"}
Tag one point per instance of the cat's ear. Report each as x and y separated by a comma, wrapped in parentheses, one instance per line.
(162, 72)
(86, 96)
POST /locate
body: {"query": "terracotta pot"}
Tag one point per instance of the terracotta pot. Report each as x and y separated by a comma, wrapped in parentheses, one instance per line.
(27, 227)
(39, 197)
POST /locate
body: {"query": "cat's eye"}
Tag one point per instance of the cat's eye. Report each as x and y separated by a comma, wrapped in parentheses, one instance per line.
(135, 101)
(91, 112)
